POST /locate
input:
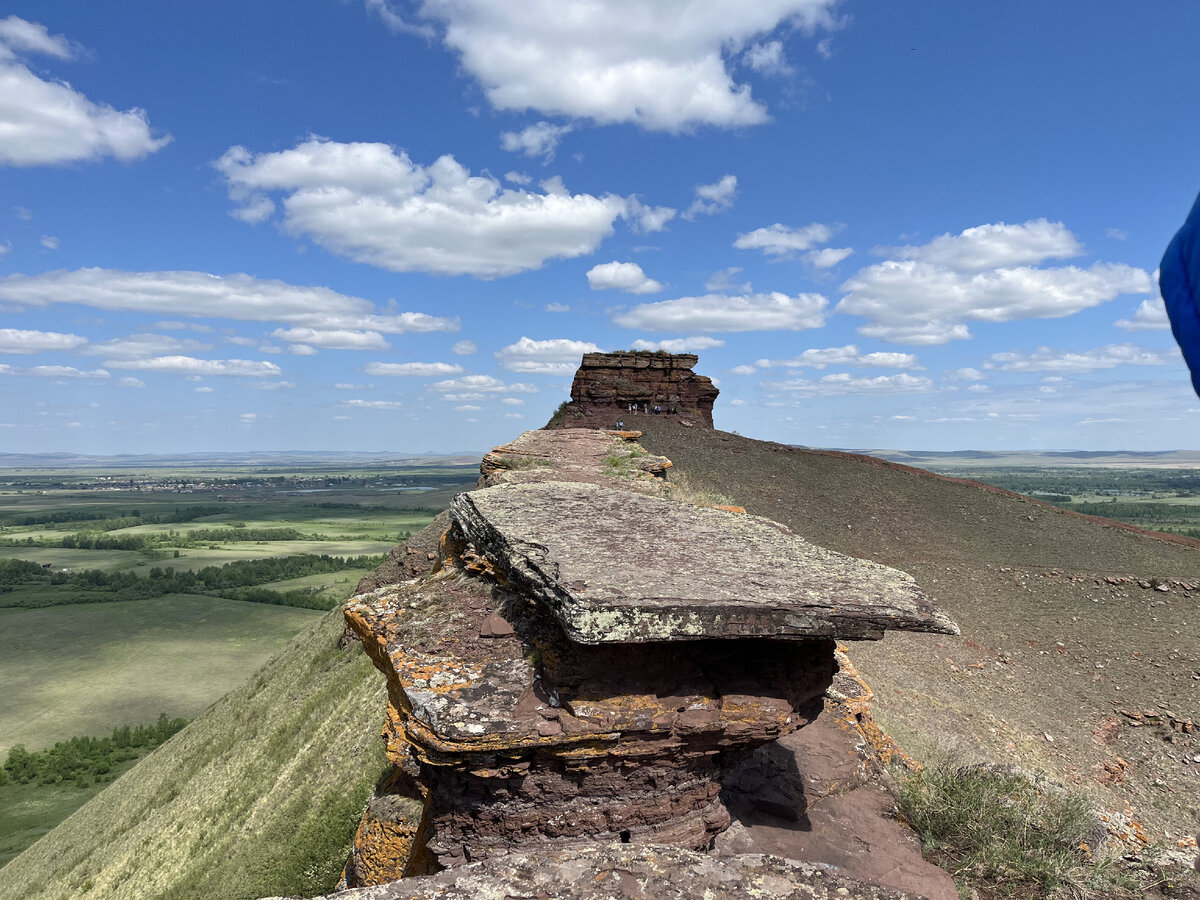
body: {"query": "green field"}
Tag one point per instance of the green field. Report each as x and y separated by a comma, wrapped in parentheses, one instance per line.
(86, 669)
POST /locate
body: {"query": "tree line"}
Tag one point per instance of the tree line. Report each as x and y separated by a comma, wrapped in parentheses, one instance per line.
(84, 760)
(237, 580)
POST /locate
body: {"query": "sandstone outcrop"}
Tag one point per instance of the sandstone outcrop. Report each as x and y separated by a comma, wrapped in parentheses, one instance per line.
(610, 387)
(590, 660)
(637, 873)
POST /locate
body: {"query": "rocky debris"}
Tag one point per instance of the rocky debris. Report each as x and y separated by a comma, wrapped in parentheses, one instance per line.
(611, 387)
(586, 664)
(638, 873)
(616, 568)
(610, 458)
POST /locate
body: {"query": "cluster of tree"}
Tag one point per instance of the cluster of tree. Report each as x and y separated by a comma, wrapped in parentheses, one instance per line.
(83, 760)
(1147, 513)
(238, 580)
(132, 517)
(99, 540)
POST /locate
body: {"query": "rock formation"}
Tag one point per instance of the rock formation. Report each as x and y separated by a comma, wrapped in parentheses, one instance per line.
(610, 387)
(589, 659)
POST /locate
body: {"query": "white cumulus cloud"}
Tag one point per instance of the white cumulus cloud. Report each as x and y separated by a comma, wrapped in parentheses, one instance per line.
(49, 122)
(557, 356)
(663, 65)
(471, 387)
(780, 240)
(624, 276)
(1151, 315)
(239, 297)
(713, 198)
(332, 339)
(190, 365)
(16, 340)
(718, 312)
(928, 293)
(371, 203)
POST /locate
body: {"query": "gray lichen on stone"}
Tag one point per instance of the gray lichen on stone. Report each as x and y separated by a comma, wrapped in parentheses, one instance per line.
(616, 567)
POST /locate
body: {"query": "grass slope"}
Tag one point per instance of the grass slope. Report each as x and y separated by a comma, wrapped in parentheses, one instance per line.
(259, 796)
(1048, 647)
(86, 669)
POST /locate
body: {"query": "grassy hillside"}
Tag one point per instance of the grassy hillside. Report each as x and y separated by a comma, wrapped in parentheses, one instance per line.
(1051, 653)
(85, 669)
(259, 796)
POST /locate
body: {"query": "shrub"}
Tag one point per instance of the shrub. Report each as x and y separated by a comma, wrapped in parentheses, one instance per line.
(1010, 833)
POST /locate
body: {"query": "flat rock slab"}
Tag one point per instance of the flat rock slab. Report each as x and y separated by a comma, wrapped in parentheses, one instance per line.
(621, 870)
(617, 567)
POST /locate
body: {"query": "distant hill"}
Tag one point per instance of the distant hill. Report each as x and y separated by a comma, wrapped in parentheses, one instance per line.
(1166, 459)
(273, 458)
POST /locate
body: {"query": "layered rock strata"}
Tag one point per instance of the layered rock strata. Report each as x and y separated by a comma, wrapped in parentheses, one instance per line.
(610, 387)
(589, 661)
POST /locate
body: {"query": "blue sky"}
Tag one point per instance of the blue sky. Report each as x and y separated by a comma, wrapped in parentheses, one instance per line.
(386, 225)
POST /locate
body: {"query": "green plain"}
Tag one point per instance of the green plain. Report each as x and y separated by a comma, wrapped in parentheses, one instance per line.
(88, 668)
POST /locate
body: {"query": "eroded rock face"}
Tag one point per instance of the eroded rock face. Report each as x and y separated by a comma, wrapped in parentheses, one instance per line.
(607, 385)
(588, 660)
(638, 873)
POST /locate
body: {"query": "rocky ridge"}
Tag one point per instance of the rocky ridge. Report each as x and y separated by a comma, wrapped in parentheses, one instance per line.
(576, 673)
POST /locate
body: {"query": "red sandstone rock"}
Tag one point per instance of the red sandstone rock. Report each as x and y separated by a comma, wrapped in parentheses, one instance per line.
(613, 387)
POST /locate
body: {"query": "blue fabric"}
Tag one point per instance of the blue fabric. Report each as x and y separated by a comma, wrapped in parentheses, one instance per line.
(1179, 281)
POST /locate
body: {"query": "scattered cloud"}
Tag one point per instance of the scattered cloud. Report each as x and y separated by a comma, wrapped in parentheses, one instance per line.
(468, 407)
(540, 139)
(610, 62)
(22, 213)
(142, 346)
(827, 257)
(302, 350)
(513, 401)
(189, 365)
(624, 276)
(16, 340)
(1044, 359)
(842, 383)
(646, 219)
(239, 297)
(719, 312)
(1117, 234)
(725, 282)
(49, 122)
(475, 385)
(767, 58)
(273, 385)
(131, 382)
(397, 23)
(248, 418)
(780, 240)
(54, 372)
(556, 308)
(713, 198)
(373, 404)
(680, 345)
(369, 202)
(463, 348)
(927, 293)
(558, 356)
(332, 339)
(518, 178)
(50, 242)
(1151, 315)
(845, 356)
(413, 368)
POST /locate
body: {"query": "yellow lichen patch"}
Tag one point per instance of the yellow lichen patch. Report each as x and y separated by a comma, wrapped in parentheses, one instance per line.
(852, 712)
(390, 841)
(644, 712)
(740, 510)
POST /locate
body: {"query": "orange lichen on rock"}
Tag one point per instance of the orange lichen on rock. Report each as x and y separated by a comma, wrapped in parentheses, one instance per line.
(848, 701)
